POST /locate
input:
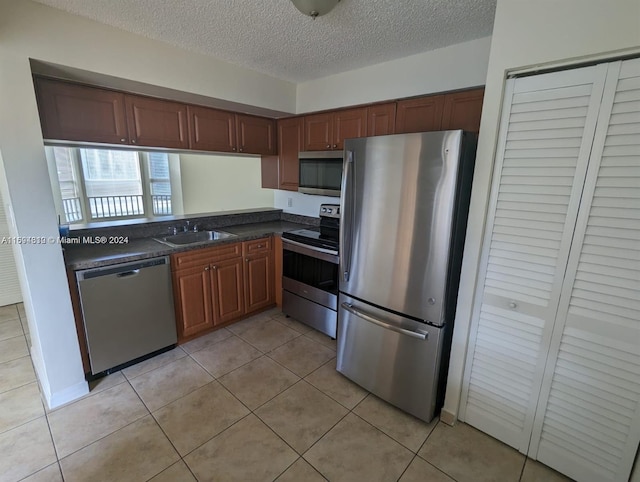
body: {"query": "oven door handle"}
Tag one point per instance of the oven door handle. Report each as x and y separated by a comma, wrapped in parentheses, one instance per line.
(313, 248)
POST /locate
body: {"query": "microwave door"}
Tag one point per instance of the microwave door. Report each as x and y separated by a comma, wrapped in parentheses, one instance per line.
(320, 175)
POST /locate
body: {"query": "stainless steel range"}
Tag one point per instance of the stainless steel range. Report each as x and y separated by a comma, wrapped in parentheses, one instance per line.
(310, 272)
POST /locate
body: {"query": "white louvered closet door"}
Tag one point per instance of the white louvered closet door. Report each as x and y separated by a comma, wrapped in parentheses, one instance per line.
(588, 421)
(9, 286)
(543, 151)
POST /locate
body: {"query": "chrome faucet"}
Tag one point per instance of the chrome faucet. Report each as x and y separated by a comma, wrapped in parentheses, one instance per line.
(186, 228)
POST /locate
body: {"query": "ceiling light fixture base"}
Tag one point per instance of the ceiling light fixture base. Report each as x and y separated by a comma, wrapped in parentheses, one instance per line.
(315, 8)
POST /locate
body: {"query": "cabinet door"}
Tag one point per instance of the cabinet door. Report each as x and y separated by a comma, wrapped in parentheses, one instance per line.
(259, 288)
(381, 119)
(211, 129)
(256, 135)
(193, 302)
(318, 132)
(543, 150)
(419, 115)
(348, 124)
(290, 140)
(78, 113)
(156, 123)
(228, 289)
(462, 110)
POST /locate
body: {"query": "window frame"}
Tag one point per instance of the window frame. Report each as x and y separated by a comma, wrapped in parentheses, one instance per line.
(143, 160)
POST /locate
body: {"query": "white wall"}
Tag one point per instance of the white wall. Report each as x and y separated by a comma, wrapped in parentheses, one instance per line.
(222, 183)
(9, 285)
(454, 67)
(303, 204)
(527, 33)
(30, 30)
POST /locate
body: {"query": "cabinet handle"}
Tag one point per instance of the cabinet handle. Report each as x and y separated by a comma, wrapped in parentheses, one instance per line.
(207, 268)
(328, 146)
(233, 148)
(123, 140)
(513, 305)
(246, 259)
(259, 246)
(133, 141)
(335, 145)
(215, 267)
(240, 149)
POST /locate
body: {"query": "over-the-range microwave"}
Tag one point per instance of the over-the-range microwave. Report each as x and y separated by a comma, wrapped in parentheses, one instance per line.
(320, 172)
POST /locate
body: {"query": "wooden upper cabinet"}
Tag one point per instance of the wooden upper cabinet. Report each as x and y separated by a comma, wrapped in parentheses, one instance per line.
(78, 113)
(327, 131)
(381, 119)
(256, 135)
(462, 110)
(290, 142)
(348, 124)
(420, 115)
(211, 129)
(156, 123)
(318, 132)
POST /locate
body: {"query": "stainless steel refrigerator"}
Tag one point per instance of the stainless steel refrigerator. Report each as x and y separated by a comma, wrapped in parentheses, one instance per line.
(404, 207)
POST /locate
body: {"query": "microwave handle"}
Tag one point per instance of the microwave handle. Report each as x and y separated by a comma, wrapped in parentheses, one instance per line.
(347, 209)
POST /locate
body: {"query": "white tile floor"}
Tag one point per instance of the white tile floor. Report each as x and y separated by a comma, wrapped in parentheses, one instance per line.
(259, 401)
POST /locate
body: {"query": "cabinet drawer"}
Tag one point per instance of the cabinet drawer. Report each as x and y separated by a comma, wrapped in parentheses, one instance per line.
(198, 257)
(262, 245)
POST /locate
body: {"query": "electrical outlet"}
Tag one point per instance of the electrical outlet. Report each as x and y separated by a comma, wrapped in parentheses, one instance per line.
(289, 202)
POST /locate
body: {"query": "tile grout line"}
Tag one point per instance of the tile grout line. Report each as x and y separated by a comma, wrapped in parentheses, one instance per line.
(522, 470)
(429, 462)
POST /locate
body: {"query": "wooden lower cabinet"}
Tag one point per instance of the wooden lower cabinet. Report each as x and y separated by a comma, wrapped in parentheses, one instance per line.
(228, 287)
(193, 300)
(259, 274)
(217, 286)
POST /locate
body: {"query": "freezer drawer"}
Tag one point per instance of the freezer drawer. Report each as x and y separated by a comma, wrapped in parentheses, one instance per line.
(127, 311)
(393, 357)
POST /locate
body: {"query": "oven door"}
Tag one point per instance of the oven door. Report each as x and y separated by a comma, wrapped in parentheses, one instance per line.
(310, 272)
(310, 285)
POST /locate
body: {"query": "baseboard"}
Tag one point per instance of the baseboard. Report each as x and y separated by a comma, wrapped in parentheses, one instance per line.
(54, 400)
(448, 418)
(68, 394)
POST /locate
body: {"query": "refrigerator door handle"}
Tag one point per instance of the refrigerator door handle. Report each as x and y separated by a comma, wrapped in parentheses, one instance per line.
(348, 206)
(365, 316)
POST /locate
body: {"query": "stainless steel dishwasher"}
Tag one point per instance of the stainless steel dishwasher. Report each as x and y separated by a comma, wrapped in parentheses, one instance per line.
(127, 310)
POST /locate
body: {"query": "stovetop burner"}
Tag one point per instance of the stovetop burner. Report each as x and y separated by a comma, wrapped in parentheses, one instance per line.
(326, 235)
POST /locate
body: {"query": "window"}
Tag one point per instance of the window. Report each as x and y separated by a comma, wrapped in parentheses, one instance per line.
(160, 183)
(100, 184)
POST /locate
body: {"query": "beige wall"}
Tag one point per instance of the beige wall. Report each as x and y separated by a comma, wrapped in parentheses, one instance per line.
(454, 67)
(32, 31)
(222, 183)
(527, 33)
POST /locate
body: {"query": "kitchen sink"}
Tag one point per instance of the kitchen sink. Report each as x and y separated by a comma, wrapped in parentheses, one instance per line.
(192, 237)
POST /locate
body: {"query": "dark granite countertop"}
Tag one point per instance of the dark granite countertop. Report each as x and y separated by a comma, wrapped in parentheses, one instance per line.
(85, 256)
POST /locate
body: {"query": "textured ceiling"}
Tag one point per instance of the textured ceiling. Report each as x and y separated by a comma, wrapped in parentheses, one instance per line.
(273, 37)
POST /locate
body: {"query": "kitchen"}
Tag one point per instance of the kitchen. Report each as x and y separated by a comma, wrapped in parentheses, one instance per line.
(33, 31)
